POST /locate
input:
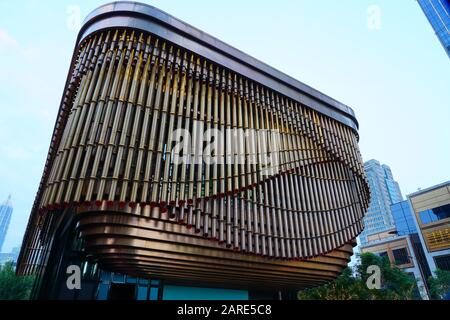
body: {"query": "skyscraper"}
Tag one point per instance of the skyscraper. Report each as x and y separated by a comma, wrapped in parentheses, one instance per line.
(115, 200)
(393, 189)
(6, 210)
(438, 14)
(384, 192)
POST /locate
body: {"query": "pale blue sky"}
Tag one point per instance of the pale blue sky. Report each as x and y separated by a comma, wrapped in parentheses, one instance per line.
(396, 78)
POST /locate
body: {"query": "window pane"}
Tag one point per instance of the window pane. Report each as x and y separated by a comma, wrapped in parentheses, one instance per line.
(443, 262)
(118, 278)
(131, 280)
(103, 291)
(154, 293)
(106, 276)
(435, 214)
(142, 293)
(400, 256)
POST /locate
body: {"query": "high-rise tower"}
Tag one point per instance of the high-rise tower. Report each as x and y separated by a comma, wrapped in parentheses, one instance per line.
(385, 191)
(438, 14)
(6, 210)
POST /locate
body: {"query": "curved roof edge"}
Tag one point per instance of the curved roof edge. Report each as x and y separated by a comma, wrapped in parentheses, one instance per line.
(147, 18)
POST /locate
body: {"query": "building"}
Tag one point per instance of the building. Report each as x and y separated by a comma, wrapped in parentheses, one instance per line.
(420, 241)
(280, 212)
(401, 253)
(392, 186)
(438, 14)
(6, 210)
(431, 208)
(384, 192)
(403, 218)
(405, 225)
(10, 256)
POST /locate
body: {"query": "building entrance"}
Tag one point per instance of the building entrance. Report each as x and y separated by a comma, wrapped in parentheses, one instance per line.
(121, 291)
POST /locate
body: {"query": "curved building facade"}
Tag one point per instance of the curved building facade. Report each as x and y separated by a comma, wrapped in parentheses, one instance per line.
(178, 157)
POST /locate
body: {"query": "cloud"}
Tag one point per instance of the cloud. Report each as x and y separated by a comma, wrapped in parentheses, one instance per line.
(6, 41)
(10, 45)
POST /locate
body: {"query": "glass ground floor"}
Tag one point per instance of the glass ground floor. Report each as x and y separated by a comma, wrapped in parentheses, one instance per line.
(114, 286)
(98, 283)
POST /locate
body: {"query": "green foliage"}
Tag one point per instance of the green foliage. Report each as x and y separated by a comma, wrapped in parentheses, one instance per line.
(345, 287)
(351, 284)
(14, 287)
(439, 284)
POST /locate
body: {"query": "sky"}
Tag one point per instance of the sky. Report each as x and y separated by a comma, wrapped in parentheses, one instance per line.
(381, 58)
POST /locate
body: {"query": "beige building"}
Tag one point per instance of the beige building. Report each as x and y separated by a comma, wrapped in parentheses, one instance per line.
(431, 209)
(400, 252)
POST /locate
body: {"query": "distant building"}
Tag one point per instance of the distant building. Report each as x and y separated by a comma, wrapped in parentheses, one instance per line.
(438, 14)
(384, 192)
(10, 256)
(401, 252)
(431, 209)
(419, 242)
(6, 210)
(405, 225)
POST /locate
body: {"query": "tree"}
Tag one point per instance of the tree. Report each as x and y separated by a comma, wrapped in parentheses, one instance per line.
(439, 284)
(345, 287)
(351, 284)
(14, 287)
(396, 284)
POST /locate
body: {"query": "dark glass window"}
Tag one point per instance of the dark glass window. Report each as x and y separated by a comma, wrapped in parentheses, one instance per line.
(435, 214)
(443, 262)
(442, 212)
(400, 256)
(120, 291)
(118, 286)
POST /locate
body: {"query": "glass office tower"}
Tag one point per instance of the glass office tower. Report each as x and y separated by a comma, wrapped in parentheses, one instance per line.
(406, 225)
(438, 14)
(281, 211)
(384, 192)
(6, 210)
